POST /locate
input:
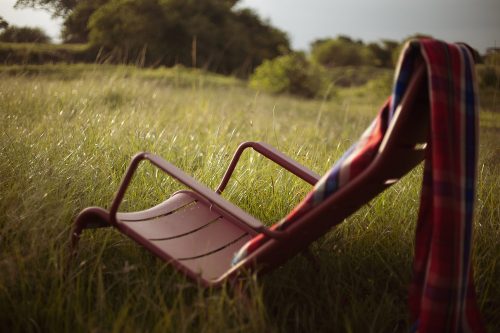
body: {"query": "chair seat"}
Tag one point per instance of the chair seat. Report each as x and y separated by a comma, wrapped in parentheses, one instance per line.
(189, 232)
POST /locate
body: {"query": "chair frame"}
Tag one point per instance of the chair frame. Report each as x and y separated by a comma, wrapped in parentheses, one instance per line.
(402, 143)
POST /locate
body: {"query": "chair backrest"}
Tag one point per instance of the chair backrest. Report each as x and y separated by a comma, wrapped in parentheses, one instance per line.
(402, 148)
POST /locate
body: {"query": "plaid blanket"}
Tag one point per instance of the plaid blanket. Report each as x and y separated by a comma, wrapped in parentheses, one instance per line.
(442, 296)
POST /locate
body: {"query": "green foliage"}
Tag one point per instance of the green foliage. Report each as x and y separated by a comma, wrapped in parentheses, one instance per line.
(342, 51)
(128, 26)
(383, 52)
(489, 84)
(37, 53)
(75, 26)
(248, 41)
(206, 33)
(489, 76)
(492, 58)
(14, 34)
(211, 34)
(292, 74)
(3, 23)
(352, 76)
(57, 7)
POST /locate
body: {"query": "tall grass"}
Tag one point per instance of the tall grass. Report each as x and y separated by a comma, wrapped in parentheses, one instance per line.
(67, 135)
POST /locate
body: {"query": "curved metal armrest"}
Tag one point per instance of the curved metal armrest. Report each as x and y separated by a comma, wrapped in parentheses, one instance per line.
(274, 155)
(187, 180)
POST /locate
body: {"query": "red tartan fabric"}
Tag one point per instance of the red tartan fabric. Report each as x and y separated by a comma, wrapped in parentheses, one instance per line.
(442, 296)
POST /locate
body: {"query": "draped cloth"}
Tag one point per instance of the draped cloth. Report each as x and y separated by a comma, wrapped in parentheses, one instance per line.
(442, 296)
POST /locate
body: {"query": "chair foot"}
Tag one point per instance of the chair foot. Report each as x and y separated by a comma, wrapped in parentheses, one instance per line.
(89, 218)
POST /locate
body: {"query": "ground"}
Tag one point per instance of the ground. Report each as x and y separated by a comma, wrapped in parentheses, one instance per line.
(68, 132)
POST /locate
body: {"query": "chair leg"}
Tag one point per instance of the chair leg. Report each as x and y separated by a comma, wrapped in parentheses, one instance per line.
(89, 218)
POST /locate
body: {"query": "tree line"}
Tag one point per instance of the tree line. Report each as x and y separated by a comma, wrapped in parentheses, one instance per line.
(215, 35)
(212, 34)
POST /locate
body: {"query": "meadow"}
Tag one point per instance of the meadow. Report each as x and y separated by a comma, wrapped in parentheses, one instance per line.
(68, 133)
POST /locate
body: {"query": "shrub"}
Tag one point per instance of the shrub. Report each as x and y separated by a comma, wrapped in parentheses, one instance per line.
(292, 74)
(342, 51)
(353, 76)
(488, 76)
(37, 53)
(492, 58)
(13, 34)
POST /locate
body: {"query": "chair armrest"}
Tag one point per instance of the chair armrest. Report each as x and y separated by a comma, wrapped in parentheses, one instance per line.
(187, 180)
(274, 155)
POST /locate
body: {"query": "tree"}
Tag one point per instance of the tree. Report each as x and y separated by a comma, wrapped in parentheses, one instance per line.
(127, 26)
(383, 52)
(13, 34)
(342, 51)
(207, 33)
(254, 40)
(77, 13)
(3, 24)
(57, 7)
(75, 26)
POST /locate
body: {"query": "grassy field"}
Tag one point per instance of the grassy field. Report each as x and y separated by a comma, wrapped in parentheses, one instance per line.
(67, 135)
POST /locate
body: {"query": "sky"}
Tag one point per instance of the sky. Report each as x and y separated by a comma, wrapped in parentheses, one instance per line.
(476, 22)
(30, 18)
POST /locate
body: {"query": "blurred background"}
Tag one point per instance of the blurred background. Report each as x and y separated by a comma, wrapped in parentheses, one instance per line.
(281, 46)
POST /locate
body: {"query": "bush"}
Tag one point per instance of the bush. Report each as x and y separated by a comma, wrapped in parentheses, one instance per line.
(342, 52)
(492, 58)
(354, 76)
(292, 74)
(36, 53)
(488, 76)
(13, 34)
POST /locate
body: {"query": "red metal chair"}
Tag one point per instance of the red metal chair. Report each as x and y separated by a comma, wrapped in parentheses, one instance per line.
(198, 231)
